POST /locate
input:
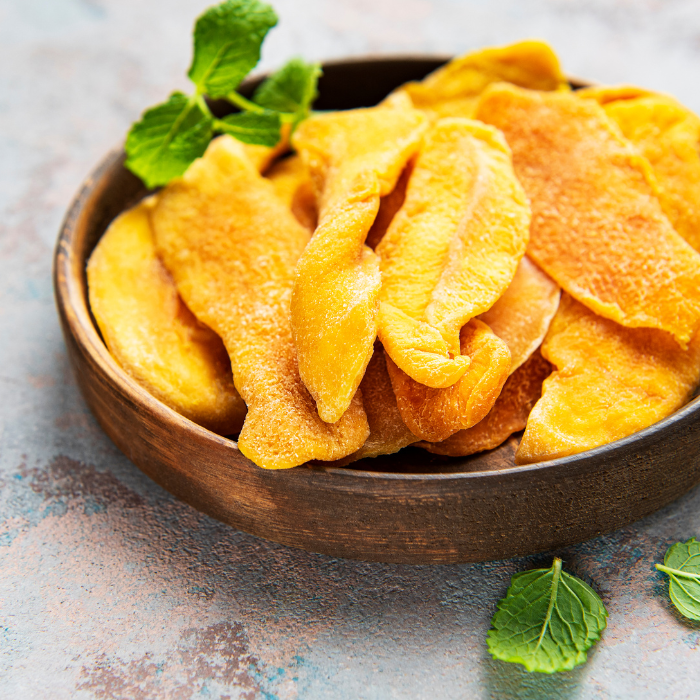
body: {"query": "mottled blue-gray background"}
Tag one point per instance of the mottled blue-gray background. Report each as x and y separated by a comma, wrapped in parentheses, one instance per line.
(109, 588)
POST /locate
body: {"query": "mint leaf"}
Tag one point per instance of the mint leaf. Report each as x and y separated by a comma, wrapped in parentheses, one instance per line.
(291, 89)
(261, 129)
(682, 564)
(167, 139)
(227, 40)
(547, 621)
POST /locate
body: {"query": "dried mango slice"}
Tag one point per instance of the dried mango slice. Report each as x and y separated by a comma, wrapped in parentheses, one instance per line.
(522, 315)
(610, 382)
(451, 250)
(231, 247)
(294, 187)
(454, 89)
(355, 158)
(668, 135)
(508, 415)
(387, 431)
(435, 414)
(597, 226)
(152, 334)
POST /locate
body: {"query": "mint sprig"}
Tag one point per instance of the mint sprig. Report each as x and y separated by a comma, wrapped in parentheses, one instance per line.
(547, 621)
(227, 42)
(682, 564)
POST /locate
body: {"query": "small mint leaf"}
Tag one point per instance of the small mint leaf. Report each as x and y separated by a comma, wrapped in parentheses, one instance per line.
(259, 129)
(167, 138)
(682, 564)
(291, 89)
(227, 40)
(547, 621)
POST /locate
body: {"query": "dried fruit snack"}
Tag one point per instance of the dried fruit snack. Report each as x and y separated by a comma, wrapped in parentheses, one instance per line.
(451, 250)
(668, 136)
(435, 414)
(610, 382)
(522, 314)
(508, 415)
(597, 226)
(231, 247)
(453, 90)
(294, 187)
(354, 157)
(152, 334)
(387, 431)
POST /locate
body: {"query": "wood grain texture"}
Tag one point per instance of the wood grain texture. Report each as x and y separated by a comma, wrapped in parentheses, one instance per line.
(411, 507)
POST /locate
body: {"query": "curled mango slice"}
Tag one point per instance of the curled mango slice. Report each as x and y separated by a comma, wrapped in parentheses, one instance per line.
(294, 187)
(354, 157)
(152, 334)
(451, 250)
(597, 225)
(610, 382)
(668, 135)
(387, 431)
(523, 313)
(435, 414)
(508, 415)
(454, 89)
(231, 247)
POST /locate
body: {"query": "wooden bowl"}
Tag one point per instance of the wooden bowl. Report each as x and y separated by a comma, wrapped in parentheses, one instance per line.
(411, 507)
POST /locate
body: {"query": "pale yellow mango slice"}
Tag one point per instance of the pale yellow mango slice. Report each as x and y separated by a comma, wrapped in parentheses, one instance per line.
(451, 250)
(598, 228)
(387, 431)
(435, 414)
(522, 315)
(453, 90)
(231, 247)
(294, 187)
(508, 415)
(610, 382)
(152, 334)
(667, 134)
(355, 158)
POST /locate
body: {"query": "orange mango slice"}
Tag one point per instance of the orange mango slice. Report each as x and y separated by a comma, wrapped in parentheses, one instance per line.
(152, 334)
(435, 414)
(508, 415)
(387, 431)
(668, 135)
(597, 225)
(610, 382)
(354, 157)
(522, 315)
(294, 187)
(453, 90)
(451, 250)
(231, 247)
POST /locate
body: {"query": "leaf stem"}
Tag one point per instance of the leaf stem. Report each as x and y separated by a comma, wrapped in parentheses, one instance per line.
(244, 103)
(678, 572)
(556, 568)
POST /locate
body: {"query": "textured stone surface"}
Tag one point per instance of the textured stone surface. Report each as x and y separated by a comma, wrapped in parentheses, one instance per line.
(111, 589)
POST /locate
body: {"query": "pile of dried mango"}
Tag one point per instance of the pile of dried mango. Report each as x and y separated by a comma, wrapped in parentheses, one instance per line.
(485, 251)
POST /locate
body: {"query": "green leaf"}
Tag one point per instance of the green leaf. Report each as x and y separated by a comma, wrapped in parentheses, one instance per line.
(227, 40)
(167, 139)
(547, 621)
(291, 89)
(250, 127)
(682, 564)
